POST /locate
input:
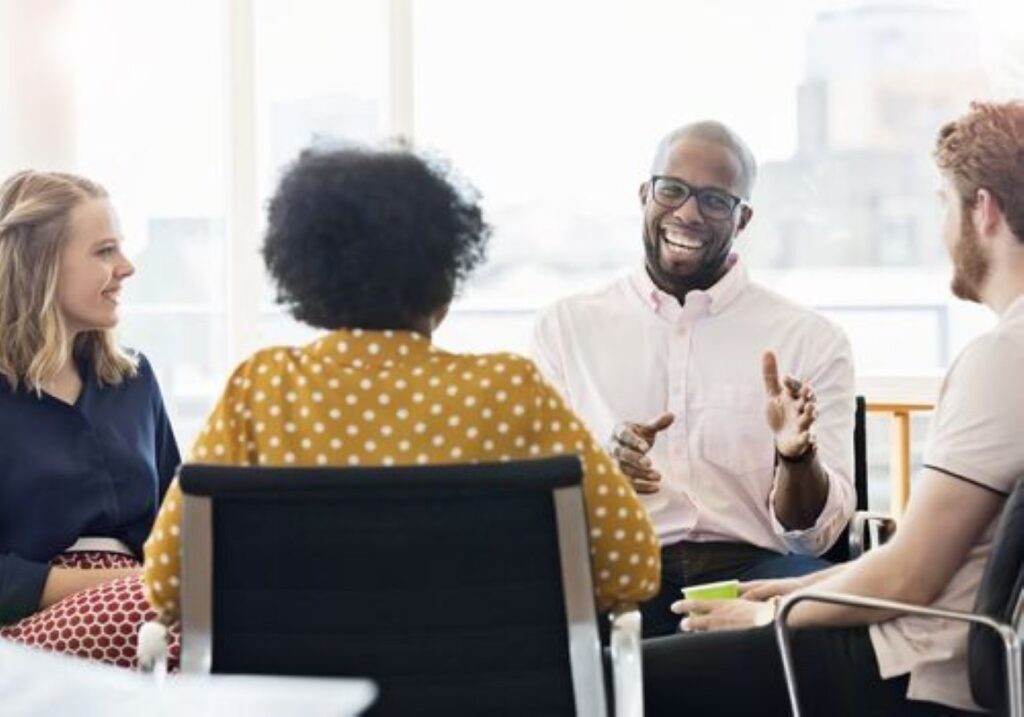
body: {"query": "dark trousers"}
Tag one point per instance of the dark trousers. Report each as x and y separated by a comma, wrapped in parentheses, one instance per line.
(686, 563)
(740, 673)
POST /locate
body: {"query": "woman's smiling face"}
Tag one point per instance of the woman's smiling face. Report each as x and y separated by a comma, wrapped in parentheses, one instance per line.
(92, 267)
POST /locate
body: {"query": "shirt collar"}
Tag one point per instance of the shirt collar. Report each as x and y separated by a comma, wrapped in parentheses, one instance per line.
(361, 347)
(711, 301)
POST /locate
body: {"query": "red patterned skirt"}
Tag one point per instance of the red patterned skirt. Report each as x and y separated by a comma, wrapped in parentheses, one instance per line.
(101, 623)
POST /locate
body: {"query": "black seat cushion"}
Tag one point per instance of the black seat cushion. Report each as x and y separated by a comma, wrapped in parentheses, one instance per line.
(1000, 590)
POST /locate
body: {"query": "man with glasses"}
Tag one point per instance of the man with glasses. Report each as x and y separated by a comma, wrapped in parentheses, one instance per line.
(745, 475)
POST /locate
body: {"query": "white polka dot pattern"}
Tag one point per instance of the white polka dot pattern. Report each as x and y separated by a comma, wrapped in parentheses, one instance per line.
(392, 398)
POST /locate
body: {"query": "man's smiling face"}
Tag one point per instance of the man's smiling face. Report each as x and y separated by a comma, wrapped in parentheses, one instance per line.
(684, 248)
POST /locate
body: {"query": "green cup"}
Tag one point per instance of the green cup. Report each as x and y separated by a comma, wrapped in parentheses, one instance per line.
(724, 590)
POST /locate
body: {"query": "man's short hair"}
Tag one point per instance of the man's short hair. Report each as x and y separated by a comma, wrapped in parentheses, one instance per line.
(984, 149)
(712, 131)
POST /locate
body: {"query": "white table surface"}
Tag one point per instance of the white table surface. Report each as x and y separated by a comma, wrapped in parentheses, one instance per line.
(33, 683)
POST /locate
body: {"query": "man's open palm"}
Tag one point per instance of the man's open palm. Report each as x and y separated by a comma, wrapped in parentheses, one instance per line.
(790, 410)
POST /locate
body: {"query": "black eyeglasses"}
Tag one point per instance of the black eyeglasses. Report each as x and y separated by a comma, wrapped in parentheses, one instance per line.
(713, 203)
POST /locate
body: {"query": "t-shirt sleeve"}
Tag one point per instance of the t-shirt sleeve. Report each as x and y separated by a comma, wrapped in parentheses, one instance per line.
(976, 427)
(167, 455)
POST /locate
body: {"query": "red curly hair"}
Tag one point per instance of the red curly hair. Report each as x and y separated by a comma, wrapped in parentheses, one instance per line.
(984, 149)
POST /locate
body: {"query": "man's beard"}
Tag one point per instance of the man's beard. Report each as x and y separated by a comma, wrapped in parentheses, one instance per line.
(970, 265)
(709, 270)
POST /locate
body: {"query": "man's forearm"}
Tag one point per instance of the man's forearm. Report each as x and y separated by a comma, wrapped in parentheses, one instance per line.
(876, 574)
(819, 576)
(800, 493)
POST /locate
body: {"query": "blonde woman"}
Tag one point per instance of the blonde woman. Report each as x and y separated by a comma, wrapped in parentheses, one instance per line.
(86, 449)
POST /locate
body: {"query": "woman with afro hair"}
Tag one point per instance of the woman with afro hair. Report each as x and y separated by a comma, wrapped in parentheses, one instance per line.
(370, 246)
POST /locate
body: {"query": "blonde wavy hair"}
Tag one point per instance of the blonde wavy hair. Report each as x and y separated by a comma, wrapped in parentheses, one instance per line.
(35, 208)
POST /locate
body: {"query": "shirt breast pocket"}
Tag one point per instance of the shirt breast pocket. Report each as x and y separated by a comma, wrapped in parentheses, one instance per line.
(732, 432)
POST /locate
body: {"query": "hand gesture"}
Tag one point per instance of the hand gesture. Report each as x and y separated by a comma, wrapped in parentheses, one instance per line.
(790, 410)
(716, 615)
(630, 445)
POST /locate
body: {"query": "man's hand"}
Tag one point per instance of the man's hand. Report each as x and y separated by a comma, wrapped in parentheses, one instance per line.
(790, 410)
(630, 444)
(714, 615)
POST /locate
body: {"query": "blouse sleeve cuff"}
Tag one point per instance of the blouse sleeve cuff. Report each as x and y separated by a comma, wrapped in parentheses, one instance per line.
(21, 587)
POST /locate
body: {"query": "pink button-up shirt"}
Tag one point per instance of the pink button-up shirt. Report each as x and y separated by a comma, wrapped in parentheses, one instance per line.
(629, 352)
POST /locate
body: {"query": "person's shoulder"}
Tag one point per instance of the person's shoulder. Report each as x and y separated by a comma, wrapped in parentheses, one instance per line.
(140, 384)
(501, 368)
(981, 377)
(144, 373)
(785, 309)
(499, 362)
(268, 356)
(268, 361)
(586, 300)
(992, 354)
(275, 360)
(770, 298)
(585, 303)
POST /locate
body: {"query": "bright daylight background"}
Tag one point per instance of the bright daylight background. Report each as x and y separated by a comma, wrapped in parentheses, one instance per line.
(188, 109)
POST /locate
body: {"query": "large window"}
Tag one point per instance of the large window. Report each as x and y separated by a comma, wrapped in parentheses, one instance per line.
(554, 110)
(188, 110)
(149, 123)
(320, 69)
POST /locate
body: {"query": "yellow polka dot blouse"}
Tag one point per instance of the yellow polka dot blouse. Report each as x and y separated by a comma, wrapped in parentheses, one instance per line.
(392, 398)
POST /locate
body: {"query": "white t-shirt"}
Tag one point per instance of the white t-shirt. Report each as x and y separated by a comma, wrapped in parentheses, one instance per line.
(975, 437)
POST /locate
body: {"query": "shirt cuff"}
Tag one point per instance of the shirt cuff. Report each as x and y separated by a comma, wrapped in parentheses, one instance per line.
(818, 538)
(21, 587)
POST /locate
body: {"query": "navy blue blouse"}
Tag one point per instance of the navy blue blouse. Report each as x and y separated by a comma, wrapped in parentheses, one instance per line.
(97, 468)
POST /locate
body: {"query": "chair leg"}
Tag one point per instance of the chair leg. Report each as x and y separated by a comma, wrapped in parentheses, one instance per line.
(1014, 696)
(627, 664)
(152, 649)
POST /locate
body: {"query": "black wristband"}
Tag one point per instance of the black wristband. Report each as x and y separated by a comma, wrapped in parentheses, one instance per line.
(804, 457)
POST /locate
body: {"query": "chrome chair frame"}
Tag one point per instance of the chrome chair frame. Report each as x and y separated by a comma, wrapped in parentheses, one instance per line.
(868, 530)
(585, 652)
(1011, 634)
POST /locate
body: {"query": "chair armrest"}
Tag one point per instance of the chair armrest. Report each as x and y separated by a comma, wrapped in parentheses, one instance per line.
(1006, 632)
(869, 530)
(627, 662)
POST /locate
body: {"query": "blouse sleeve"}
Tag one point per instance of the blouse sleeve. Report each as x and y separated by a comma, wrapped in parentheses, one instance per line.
(168, 458)
(217, 443)
(624, 548)
(21, 587)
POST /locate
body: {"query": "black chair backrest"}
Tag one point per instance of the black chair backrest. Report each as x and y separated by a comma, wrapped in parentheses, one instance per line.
(441, 583)
(998, 596)
(840, 550)
(860, 453)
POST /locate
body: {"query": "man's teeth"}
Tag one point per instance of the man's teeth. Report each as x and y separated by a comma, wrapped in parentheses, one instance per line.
(681, 240)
